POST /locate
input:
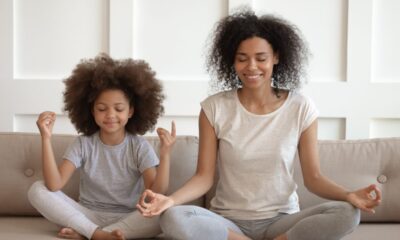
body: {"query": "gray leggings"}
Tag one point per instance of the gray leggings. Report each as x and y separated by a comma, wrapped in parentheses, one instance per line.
(327, 221)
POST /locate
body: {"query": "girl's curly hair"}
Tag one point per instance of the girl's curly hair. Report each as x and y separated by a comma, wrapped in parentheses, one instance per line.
(133, 77)
(285, 40)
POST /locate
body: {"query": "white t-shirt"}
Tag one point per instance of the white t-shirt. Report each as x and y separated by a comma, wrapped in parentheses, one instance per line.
(111, 176)
(256, 155)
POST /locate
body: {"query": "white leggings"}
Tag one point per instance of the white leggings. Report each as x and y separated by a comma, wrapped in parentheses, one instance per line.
(64, 211)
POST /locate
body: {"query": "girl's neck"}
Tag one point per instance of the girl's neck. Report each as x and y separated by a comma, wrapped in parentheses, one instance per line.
(112, 139)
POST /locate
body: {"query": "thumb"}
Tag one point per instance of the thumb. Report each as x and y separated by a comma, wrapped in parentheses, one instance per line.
(173, 129)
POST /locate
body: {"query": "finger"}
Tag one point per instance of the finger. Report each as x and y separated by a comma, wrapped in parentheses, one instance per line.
(378, 194)
(371, 188)
(373, 204)
(141, 209)
(146, 195)
(156, 212)
(163, 139)
(161, 132)
(173, 129)
(366, 209)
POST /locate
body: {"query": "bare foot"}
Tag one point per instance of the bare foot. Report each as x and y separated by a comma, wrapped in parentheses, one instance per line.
(70, 233)
(103, 235)
(281, 237)
(232, 235)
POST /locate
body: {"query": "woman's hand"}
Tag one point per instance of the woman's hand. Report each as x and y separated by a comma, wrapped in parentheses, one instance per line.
(152, 204)
(365, 199)
(45, 123)
(167, 139)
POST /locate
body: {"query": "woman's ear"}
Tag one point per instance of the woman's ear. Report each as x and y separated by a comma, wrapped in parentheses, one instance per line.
(276, 58)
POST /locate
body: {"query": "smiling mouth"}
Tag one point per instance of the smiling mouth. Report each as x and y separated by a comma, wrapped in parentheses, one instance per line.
(252, 76)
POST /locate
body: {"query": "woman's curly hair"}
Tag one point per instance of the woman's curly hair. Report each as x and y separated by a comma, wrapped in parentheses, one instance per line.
(284, 38)
(133, 77)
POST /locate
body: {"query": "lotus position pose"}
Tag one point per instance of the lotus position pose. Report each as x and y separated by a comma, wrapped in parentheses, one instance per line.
(111, 103)
(249, 133)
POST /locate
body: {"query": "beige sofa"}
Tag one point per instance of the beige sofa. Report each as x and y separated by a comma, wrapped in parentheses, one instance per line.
(351, 163)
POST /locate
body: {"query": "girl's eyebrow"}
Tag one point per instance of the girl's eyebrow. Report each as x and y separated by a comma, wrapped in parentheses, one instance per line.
(117, 103)
(258, 54)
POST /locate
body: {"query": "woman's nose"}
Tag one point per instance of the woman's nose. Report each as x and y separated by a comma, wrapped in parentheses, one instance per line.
(252, 64)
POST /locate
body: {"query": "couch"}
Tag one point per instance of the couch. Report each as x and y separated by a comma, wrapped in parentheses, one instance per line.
(352, 163)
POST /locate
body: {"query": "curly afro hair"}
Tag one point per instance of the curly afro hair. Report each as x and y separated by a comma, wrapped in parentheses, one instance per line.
(284, 38)
(133, 77)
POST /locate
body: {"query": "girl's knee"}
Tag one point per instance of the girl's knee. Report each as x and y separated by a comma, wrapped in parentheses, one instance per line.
(35, 191)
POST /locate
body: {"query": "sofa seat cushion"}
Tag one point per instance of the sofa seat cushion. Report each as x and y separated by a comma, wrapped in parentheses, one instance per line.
(374, 231)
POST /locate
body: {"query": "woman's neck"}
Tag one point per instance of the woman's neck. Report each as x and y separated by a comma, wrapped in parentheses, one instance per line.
(261, 101)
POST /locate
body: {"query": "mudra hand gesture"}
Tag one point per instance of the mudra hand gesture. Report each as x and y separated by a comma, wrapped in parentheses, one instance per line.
(365, 199)
(152, 204)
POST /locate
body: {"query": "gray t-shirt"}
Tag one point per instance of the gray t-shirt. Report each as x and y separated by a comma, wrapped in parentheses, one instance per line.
(111, 176)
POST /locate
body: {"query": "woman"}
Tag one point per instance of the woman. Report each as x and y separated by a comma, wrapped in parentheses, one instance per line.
(251, 132)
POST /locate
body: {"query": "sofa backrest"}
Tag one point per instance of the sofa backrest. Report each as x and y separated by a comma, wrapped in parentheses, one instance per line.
(21, 165)
(355, 164)
(351, 163)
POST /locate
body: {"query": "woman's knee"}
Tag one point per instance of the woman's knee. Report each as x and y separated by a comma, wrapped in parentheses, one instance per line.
(349, 213)
(185, 222)
(176, 215)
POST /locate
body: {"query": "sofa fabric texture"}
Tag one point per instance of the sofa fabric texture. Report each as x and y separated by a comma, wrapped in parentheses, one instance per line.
(351, 163)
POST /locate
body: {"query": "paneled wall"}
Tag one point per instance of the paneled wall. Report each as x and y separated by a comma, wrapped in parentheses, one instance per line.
(354, 73)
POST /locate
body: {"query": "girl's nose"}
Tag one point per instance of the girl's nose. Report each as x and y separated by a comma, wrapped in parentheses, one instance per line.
(110, 113)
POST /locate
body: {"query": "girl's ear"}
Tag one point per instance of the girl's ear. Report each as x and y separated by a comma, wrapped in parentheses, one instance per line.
(131, 111)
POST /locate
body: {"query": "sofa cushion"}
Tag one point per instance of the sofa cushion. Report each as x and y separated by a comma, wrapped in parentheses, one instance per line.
(355, 164)
(32, 228)
(21, 165)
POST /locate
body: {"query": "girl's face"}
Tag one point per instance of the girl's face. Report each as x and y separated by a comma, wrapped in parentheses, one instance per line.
(254, 62)
(112, 111)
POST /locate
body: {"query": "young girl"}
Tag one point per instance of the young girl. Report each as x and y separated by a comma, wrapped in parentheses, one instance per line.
(251, 133)
(111, 103)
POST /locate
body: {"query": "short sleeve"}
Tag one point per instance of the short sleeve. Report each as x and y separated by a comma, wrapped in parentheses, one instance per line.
(147, 157)
(74, 152)
(208, 107)
(309, 112)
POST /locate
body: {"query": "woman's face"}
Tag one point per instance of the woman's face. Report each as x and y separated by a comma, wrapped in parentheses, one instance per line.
(254, 62)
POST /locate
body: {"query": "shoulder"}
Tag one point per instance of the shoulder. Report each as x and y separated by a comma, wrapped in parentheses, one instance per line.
(224, 96)
(85, 140)
(301, 100)
(136, 140)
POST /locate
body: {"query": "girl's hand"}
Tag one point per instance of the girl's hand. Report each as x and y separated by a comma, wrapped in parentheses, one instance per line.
(365, 199)
(45, 123)
(166, 139)
(152, 204)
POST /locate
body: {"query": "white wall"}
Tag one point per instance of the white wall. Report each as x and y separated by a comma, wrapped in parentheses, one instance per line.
(354, 75)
